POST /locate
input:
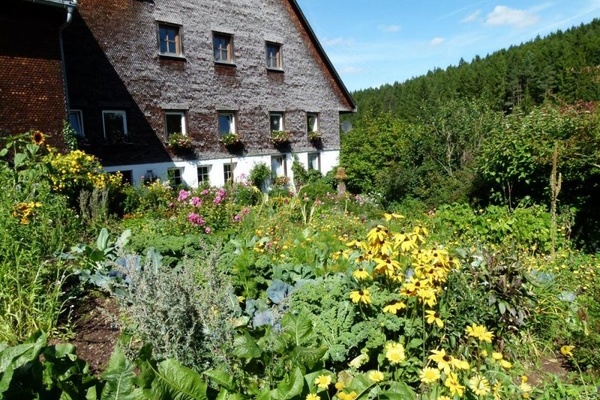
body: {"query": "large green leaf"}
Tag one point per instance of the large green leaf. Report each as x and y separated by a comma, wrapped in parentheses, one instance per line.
(12, 358)
(173, 381)
(291, 386)
(120, 379)
(221, 377)
(245, 346)
(299, 326)
(398, 391)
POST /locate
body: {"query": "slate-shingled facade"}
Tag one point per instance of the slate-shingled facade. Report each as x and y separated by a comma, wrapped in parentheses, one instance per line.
(117, 74)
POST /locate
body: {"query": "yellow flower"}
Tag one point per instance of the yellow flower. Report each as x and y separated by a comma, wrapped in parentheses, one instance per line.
(434, 318)
(394, 352)
(460, 364)
(360, 296)
(38, 138)
(497, 356)
(444, 398)
(323, 381)
(454, 385)
(525, 387)
(394, 308)
(442, 359)
(339, 385)
(360, 274)
(479, 385)
(567, 351)
(358, 361)
(313, 396)
(375, 376)
(479, 332)
(429, 375)
(347, 396)
(505, 364)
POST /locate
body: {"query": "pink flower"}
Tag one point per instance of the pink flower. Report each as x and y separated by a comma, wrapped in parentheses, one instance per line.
(195, 201)
(196, 219)
(204, 192)
(183, 194)
(207, 230)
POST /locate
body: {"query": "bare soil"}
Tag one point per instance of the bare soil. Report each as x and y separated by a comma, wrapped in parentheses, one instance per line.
(97, 327)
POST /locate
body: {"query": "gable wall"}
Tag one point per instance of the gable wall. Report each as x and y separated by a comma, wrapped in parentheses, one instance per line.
(31, 83)
(113, 63)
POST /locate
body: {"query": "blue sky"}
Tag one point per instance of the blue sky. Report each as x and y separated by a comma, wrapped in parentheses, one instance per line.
(372, 42)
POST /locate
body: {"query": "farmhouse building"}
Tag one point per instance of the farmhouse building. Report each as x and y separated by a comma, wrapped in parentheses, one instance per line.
(237, 81)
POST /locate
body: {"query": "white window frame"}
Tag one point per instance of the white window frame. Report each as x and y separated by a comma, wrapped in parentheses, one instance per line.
(117, 112)
(315, 125)
(181, 114)
(279, 115)
(229, 176)
(228, 48)
(78, 116)
(232, 125)
(278, 58)
(178, 175)
(279, 166)
(178, 43)
(207, 174)
(314, 156)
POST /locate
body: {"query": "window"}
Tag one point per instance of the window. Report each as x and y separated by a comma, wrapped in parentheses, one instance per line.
(169, 40)
(312, 122)
(223, 47)
(175, 122)
(76, 121)
(278, 166)
(226, 122)
(228, 171)
(115, 124)
(203, 174)
(274, 56)
(276, 121)
(174, 175)
(314, 161)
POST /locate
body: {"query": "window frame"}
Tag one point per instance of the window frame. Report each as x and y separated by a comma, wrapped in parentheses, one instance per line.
(232, 123)
(278, 56)
(183, 122)
(280, 116)
(178, 42)
(174, 174)
(317, 156)
(78, 114)
(123, 113)
(228, 38)
(203, 175)
(282, 164)
(229, 172)
(315, 127)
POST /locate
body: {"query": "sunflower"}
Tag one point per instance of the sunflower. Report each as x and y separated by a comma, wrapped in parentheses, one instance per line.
(434, 318)
(454, 385)
(479, 332)
(38, 138)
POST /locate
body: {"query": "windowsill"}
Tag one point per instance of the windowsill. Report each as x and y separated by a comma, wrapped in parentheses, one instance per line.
(278, 70)
(225, 64)
(172, 56)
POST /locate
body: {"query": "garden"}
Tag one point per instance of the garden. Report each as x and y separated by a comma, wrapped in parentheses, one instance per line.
(299, 293)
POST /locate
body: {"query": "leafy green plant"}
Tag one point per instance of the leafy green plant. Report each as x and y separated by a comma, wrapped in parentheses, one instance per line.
(180, 142)
(259, 175)
(231, 139)
(280, 137)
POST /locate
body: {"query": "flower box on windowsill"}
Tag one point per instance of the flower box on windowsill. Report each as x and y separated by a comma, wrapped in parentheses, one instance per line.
(280, 137)
(180, 142)
(231, 139)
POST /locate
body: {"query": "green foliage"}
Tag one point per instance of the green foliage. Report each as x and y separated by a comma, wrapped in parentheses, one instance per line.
(70, 136)
(259, 175)
(186, 312)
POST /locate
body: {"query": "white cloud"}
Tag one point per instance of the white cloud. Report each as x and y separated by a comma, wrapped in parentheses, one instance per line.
(389, 28)
(337, 41)
(471, 17)
(503, 15)
(437, 41)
